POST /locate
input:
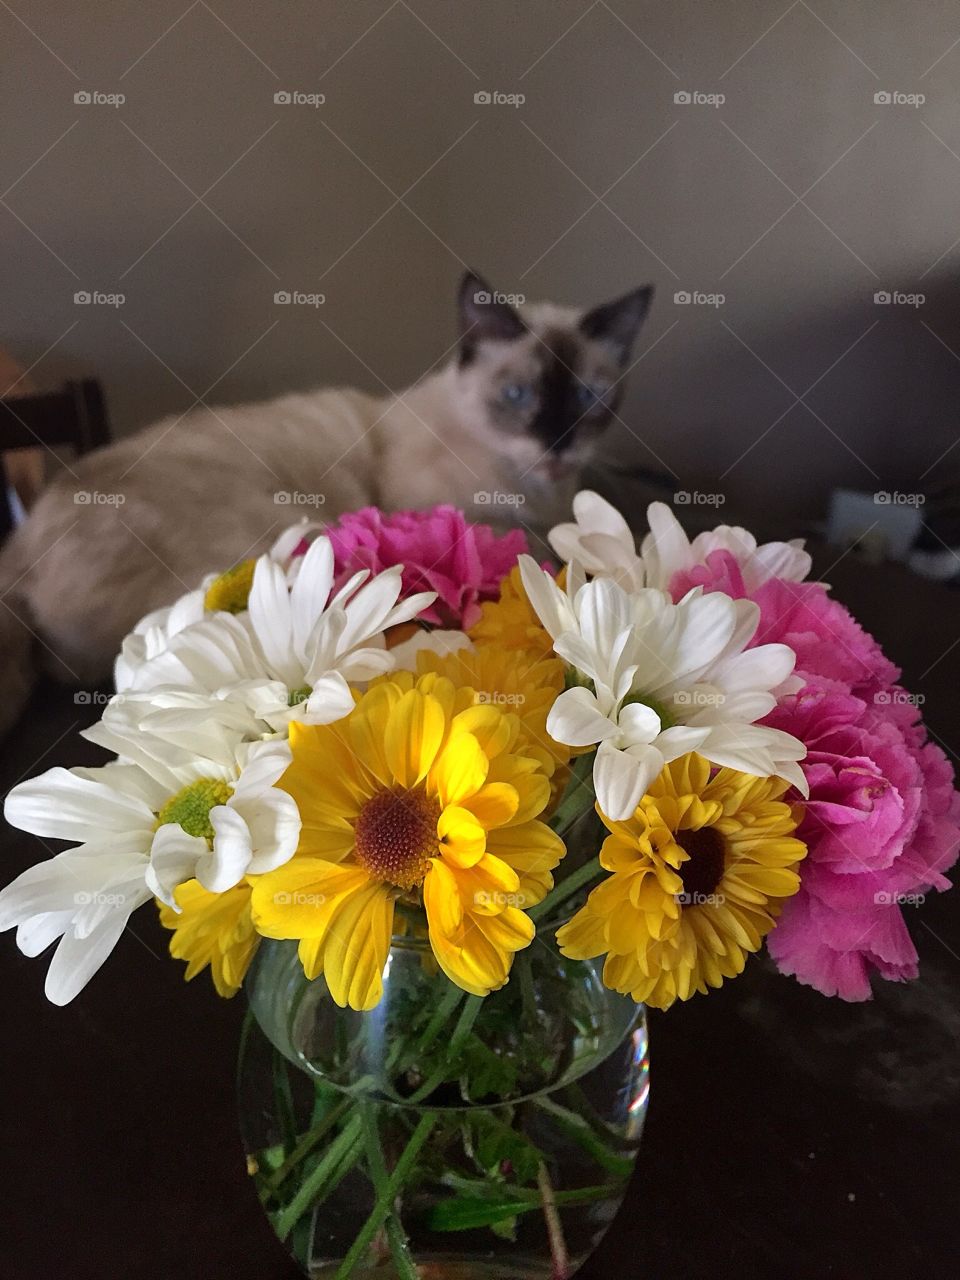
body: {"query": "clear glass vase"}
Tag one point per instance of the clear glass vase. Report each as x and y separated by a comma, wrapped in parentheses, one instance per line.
(439, 1136)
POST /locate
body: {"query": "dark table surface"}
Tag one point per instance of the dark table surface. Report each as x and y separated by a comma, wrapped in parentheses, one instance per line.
(788, 1135)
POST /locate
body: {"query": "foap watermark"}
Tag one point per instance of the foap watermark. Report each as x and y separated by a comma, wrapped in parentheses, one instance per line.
(495, 98)
(696, 298)
(97, 698)
(898, 698)
(494, 498)
(484, 298)
(498, 898)
(299, 898)
(94, 98)
(888, 898)
(897, 298)
(699, 698)
(886, 498)
(94, 498)
(695, 498)
(297, 98)
(696, 98)
(497, 698)
(295, 298)
(100, 899)
(296, 498)
(894, 98)
(699, 899)
(94, 298)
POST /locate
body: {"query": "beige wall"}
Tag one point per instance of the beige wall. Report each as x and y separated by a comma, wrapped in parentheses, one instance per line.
(697, 198)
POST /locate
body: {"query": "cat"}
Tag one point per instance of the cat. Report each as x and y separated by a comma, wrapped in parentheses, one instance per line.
(507, 423)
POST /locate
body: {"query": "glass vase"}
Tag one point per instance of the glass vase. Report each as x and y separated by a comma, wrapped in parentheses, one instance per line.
(440, 1136)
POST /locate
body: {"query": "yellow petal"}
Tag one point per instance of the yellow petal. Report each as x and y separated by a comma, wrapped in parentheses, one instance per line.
(301, 897)
(415, 731)
(494, 805)
(462, 838)
(460, 771)
(366, 731)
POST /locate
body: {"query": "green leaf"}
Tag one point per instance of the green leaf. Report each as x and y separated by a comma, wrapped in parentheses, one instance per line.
(467, 1215)
(496, 1143)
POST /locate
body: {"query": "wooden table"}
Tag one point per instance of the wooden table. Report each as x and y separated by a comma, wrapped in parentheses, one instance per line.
(788, 1135)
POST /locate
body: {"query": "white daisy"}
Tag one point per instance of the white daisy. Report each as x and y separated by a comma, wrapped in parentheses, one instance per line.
(660, 679)
(292, 653)
(601, 541)
(162, 815)
(153, 633)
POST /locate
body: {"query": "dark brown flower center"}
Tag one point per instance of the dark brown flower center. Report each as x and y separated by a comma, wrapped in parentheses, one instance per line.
(396, 835)
(703, 872)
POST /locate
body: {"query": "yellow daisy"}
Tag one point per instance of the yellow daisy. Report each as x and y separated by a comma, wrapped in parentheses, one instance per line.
(214, 929)
(511, 622)
(699, 875)
(419, 793)
(522, 683)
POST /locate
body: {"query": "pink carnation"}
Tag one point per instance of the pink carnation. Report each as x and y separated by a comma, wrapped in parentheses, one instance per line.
(439, 550)
(883, 820)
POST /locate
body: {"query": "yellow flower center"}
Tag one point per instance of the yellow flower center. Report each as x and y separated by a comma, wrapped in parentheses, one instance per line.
(396, 835)
(231, 591)
(191, 806)
(704, 871)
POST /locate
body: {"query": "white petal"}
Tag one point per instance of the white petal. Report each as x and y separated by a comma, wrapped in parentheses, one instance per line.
(272, 621)
(595, 515)
(678, 740)
(549, 603)
(36, 934)
(764, 667)
(69, 882)
(621, 778)
(439, 642)
(61, 805)
(638, 723)
(330, 700)
(266, 763)
(273, 821)
(576, 719)
(369, 608)
(76, 960)
(777, 560)
(173, 860)
(349, 587)
(225, 864)
(310, 593)
(604, 612)
(666, 548)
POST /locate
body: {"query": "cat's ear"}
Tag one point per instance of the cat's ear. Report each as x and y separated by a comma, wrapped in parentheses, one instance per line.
(618, 322)
(482, 316)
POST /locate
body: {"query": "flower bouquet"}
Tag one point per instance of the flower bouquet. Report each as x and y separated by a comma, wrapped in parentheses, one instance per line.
(453, 818)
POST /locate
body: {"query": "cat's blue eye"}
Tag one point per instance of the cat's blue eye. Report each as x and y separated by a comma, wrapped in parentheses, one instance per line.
(590, 395)
(517, 394)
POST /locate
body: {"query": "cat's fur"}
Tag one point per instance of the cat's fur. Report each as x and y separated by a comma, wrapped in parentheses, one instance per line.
(187, 496)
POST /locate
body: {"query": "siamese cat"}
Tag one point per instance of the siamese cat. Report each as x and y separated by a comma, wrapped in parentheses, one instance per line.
(518, 410)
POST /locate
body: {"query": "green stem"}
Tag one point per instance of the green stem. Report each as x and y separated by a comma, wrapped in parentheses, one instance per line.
(307, 1143)
(341, 1156)
(578, 796)
(284, 1100)
(551, 1215)
(580, 1132)
(463, 1028)
(396, 1236)
(385, 1199)
(566, 889)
